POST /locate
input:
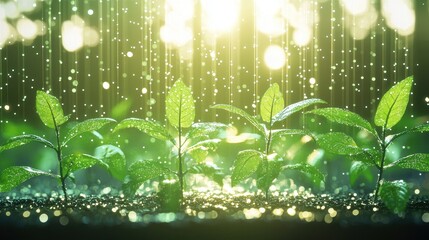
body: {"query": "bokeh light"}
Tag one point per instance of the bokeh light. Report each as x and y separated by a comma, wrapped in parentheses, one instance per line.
(275, 57)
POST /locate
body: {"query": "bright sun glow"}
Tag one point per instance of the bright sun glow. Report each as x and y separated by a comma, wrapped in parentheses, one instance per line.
(269, 19)
(27, 28)
(275, 57)
(220, 16)
(356, 7)
(399, 15)
(177, 31)
(302, 36)
(5, 30)
(75, 34)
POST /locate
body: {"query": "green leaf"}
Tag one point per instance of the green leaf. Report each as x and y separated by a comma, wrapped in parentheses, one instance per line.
(130, 187)
(150, 127)
(393, 104)
(278, 133)
(315, 175)
(49, 109)
(338, 143)
(418, 161)
(24, 139)
(141, 171)
(121, 110)
(205, 129)
(295, 107)
(419, 129)
(395, 196)
(199, 154)
(13, 176)
(180, 106)
(241, 113)
(210, 144)
(114, 158)
(210, 170)
(271, 103)
(245, 165)
(78, 161)
(368, 156)
(345, 117)
(86, 126)
(268, 170)
(357, 169)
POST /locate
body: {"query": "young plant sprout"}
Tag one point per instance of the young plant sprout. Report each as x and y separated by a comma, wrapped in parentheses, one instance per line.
(51, 113)
(390, 110)
(193, 142)
(267, 165)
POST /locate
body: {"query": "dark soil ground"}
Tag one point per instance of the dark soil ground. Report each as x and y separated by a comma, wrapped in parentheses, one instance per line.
(210, 216)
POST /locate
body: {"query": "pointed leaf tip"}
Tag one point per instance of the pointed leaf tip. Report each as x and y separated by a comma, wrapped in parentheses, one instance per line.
(180, 106)
(271, 103)
(49, 109)
(393, 104)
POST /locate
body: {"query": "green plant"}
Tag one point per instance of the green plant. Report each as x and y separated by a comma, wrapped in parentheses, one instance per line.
(51, 113)
(268, 164)
(191, 146)
(389, 112)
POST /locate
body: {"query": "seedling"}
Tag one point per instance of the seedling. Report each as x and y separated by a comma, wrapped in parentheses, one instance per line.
(268, 164)
(51, 113)
(389, 112)
(192, 145)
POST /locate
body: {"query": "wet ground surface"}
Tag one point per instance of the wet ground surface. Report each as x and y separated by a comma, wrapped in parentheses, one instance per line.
(214, 215)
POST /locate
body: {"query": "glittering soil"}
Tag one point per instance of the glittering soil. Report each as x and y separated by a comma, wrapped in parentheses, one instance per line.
(211, 215)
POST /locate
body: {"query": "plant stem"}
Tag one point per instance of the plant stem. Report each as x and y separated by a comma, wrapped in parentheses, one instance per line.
(270, 128)
(268, 144)
(59, 154)
(60, 161)
(180, 173)
(268, 140)
(381, 167)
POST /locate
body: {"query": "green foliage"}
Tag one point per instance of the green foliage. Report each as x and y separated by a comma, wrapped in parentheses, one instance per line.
(86, 126)
(393, 104)
(271, 103)
(279, 133)
(180, 106)
(78, 161)
(141, 171)
(357, 169)
(241, 113)
(395, 196)
(389, 112)
(418, 161)
(345, 117)
(338, 143)
(266, 166)
(246, 163)
(12, 177)
(193, 146)
(296, 107)
(51, 113)
(115, 160)
(120, 110)
(312, 171)
(205, 130)
(24, 139)
(49, 109)
(150, 127)
(268, 171)
(209, 170)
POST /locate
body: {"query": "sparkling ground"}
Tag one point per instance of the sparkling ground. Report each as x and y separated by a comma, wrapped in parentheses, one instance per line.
(211, 214)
